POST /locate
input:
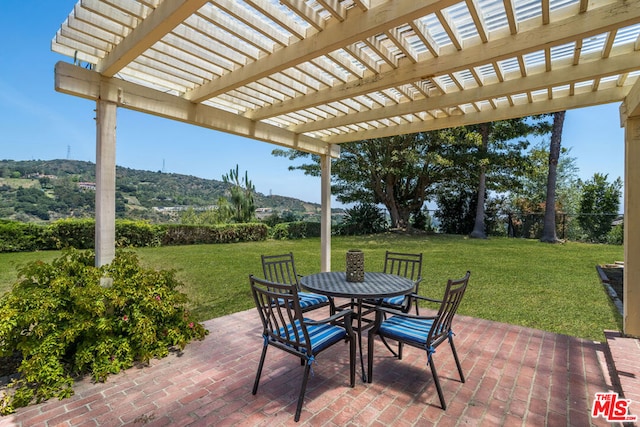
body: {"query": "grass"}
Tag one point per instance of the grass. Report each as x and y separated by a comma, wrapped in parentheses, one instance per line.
(517, 281)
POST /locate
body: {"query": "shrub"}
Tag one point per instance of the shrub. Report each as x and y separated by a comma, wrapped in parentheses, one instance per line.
(599, 205)
(64, 323)
(136, 233)
(19, 236)
(364, 218)
(295, 230)
(80, 234)
(616, 235)
(203, 234)
(73, 233)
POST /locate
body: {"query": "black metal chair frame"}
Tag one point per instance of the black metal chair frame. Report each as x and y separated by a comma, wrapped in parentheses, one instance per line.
(279, 308)
(282, 269)
(439, 331)
(407, 265)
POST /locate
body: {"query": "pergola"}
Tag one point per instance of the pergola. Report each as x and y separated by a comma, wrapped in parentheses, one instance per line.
(311, 74)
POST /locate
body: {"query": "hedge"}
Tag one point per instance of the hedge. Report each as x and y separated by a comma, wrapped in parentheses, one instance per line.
(295, 230)
(80, 234)
(24, 237)
(227, 233)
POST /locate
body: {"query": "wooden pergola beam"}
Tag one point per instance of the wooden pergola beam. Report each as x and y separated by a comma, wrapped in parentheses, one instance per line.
(359, 26)
(89, 84)
(534, 38)
(585, 71)
(165, 18)
(603, 96)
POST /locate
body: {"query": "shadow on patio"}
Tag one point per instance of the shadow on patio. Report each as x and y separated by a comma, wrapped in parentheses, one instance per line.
(515, 376)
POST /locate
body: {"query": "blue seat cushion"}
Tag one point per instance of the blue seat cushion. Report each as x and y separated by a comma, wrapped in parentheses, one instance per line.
(308, 299)
(406, 329)
(321, 336)
(399, 300)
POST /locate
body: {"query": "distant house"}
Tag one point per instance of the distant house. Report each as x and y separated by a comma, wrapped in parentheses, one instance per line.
(262, 213)
(91, 186)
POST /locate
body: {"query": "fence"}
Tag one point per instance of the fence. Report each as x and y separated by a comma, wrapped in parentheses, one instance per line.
(530, 225)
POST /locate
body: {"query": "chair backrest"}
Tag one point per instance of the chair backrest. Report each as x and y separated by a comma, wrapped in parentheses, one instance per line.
(449, 306)
(281, 315)
(406, 265)
(280, 269)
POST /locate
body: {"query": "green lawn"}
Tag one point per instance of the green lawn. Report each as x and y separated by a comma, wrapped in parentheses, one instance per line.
(524, 282)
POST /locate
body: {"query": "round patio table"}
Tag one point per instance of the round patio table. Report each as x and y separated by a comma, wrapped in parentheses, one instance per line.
(375, 286)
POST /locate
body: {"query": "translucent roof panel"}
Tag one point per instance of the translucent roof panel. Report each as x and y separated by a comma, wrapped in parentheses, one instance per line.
(311, 73)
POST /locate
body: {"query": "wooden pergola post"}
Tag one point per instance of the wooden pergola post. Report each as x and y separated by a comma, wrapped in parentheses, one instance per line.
(105, 232)
(631, 322)
(630, 119)
(325, 215)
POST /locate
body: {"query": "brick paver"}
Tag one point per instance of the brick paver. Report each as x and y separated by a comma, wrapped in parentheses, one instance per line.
(515, 376)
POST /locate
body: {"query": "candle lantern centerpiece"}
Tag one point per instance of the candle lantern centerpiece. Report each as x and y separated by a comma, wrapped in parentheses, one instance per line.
(355, 265)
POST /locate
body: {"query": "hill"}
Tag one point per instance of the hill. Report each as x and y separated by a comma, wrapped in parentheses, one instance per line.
(45, 190)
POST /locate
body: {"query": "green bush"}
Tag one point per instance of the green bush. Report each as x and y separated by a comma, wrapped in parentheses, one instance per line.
(63, 323)
(20, 237)
(174, 234)
(136, 234)
(73, 233)
(295, 230)
(365, 218)
(616, 235)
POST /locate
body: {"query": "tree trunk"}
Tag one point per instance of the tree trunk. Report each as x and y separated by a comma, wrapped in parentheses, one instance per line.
(479, 226)
(394, 212)
(549, 228)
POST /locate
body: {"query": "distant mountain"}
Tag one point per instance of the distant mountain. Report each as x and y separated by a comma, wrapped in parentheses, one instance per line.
(42, 190)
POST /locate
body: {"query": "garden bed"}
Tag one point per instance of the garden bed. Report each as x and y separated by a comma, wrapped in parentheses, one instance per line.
(612, 277)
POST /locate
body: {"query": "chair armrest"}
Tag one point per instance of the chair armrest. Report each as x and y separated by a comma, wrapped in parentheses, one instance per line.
(423, 298)
(401, 313)
(332, 319)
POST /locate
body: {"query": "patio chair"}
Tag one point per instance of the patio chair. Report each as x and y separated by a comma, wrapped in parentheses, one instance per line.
(409, 266)
(282, 269)
(425, 332)
(284, 327)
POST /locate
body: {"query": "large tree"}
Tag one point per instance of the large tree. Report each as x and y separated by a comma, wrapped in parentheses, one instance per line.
(528, 198)
(494, 156)
(549, 228)
(479, 226)
(599, 206)
(398, 171)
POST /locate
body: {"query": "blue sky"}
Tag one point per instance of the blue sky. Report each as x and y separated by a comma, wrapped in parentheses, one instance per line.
(37, 123)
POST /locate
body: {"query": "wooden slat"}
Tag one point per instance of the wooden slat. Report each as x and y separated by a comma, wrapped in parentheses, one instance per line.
(214, 15)
(335, 8)
(358, 27)
(401, 43)
(571, 74)
(233, 8)
(591, 23)
(510, 11)
(89, 84)
(523, 110)
(478, 20)
(273, 13)
(306, 13)
(162, 20)
(449, 28)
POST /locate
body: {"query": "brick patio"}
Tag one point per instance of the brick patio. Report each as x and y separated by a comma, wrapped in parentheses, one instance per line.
(515, 376)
